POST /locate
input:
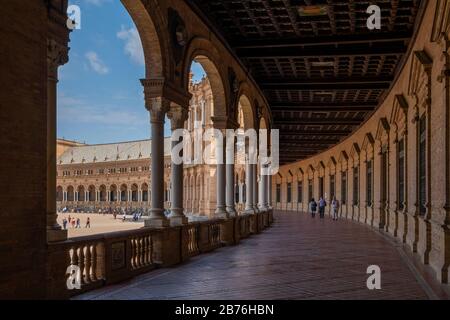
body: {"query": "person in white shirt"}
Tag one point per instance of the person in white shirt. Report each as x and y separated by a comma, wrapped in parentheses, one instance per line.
(335, 208)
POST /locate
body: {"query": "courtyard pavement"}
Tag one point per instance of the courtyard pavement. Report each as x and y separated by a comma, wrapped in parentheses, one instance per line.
(297, 258)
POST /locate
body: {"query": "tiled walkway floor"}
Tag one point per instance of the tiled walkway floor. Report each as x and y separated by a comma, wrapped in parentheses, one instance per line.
(297, 258)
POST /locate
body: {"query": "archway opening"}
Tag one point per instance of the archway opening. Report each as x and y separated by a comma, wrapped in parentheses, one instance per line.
(103, 146)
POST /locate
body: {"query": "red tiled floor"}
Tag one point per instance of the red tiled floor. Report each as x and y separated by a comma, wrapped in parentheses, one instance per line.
(297, 258)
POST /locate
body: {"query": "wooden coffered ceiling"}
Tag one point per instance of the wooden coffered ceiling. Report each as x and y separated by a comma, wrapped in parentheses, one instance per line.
(322, 75)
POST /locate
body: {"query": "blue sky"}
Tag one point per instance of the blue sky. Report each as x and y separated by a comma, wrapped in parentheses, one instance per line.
(100, 98)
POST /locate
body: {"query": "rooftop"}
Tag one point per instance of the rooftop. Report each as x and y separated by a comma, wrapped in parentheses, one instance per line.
(120, 151)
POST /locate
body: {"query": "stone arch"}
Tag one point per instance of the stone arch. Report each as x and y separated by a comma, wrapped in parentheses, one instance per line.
(59, 194)
(151, 28)
(399, 115)
(368, 143)
(383, 131)
(91, 193)
(145, 194)
(134, 192)
(246, 116)
(113, 193)
(354, 153)
(123, 193)
(205, 53)
(70, 193)
(263, 124)
(81, 193)
(102, 193)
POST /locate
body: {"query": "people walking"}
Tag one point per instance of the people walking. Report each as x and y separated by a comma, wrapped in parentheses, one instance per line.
(335, 205)
(78, 226)
(73, 223)
(88, 223)
(65, 224)
(313, 207)
(322, 205)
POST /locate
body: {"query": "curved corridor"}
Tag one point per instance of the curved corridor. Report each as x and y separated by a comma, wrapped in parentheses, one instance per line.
(297, 258)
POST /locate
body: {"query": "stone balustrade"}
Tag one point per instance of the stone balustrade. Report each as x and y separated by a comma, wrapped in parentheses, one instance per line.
(105, 259)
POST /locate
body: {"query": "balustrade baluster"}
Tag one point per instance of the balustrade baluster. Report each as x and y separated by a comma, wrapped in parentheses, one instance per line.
(133, 254)
(93, 262)
(81, 262)
(87, 263)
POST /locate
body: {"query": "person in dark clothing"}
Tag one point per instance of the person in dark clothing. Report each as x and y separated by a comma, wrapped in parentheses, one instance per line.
(322, 205)
(313, 207)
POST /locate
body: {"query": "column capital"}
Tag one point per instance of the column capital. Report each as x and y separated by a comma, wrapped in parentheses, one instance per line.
(158, 107)
(159, 87)
(178, 116)
(57, 54)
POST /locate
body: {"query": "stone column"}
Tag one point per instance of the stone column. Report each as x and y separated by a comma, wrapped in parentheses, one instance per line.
(230, 183)
(57, 55)
(249, 208)
(221, 176)
(177, 115)
(255, 187)
(269, 192)
(157, 108)
(262, 199)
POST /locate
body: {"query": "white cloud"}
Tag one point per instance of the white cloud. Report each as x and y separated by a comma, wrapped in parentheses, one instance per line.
(96, 63)
(76, 110)
(97, 3)
(133, 45)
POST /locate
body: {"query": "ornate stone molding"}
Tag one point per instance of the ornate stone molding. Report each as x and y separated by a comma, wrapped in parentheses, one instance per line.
(161, 88)
(178, 116)
(57, 54)
(420, 80)
(158, 108)
(441, 26)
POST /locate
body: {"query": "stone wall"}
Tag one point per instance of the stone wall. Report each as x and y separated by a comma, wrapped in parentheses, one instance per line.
(23, 79)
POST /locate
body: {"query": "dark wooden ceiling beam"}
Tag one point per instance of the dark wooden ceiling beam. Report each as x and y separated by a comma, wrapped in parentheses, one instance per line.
(277, 109)
(326, 121)
(291, 133)
(352, 39)
(311, 141)
(321, 107)
(318, 86)
(319, 52)
(326, 83)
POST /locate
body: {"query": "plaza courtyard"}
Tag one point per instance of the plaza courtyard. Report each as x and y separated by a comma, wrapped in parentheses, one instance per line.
(99, 223)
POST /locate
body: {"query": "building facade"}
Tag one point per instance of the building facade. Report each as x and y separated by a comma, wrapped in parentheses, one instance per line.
(118, 175)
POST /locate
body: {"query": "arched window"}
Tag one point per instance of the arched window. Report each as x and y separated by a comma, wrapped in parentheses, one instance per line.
(59, 194)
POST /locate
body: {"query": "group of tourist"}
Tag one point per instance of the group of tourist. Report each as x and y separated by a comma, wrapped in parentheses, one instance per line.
(75, 223)
(335, 206)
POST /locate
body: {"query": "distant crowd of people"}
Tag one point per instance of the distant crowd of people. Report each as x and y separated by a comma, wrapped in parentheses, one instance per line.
(75, 223)
(321, 205)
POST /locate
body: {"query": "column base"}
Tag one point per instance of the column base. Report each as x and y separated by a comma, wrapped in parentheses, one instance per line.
(178, 220)
(231, 211)
(249, 211)
(156, 221)
(263, 209)
(56, 235)
(221, 212)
